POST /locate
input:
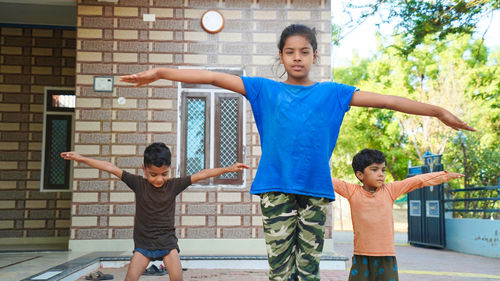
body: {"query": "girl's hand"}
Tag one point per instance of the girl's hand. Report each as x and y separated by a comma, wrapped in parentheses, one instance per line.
(71, 156)
(237, 167)
(455, 175)
(141, 78)
(452, 121)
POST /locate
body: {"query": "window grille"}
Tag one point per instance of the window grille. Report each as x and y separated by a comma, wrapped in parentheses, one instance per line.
(195, 139)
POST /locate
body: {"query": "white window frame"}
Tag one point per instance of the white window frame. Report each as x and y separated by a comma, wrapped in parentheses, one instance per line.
(45, 113)
(211, 93)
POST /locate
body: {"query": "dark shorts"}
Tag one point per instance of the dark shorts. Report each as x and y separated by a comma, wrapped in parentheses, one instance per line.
(154, 255)
(367, 268)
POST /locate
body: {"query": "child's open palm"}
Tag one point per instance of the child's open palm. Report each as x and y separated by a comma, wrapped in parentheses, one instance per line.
(453, 175)
(71, 155)
(237, 167)
(454, 122)
(141, 78)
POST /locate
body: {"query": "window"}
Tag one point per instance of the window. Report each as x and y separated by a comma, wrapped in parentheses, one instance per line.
(58, 115)
(211, 130)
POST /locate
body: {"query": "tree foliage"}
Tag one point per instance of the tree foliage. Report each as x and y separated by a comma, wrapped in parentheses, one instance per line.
(417, 19)
(432, 59)
(473, 156)
(444, 73)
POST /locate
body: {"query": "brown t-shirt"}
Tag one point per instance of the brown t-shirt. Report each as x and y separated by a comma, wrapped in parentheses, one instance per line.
(155, 211)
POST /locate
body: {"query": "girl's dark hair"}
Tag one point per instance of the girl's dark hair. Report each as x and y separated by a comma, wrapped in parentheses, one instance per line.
(157, 154)
(365, 158)
(298, 29)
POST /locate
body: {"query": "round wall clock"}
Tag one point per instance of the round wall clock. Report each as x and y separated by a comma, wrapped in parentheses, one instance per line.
(212, 21)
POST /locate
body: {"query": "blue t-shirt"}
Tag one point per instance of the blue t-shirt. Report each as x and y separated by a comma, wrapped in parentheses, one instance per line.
(298, 127)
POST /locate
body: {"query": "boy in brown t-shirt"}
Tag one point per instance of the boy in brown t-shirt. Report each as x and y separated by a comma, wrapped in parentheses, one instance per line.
(371, 213)
(154, 232)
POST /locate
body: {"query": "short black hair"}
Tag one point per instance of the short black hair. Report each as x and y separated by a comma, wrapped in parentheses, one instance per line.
(157, 154)
(365, 158)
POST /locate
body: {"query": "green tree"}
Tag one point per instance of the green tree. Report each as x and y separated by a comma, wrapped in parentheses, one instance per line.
(479, 161)
(370, 127)
(437, 72)
(417, 19)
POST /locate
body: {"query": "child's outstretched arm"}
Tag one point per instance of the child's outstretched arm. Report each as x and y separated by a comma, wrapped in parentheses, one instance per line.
(367, 99)
(196, 76)
(434, 178)
(429, 179)
(94, 163)
(209, 173)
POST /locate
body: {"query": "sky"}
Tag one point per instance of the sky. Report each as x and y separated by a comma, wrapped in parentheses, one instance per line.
(363, 39)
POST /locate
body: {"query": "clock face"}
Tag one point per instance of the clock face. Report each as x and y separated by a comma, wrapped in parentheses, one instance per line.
(212, 21)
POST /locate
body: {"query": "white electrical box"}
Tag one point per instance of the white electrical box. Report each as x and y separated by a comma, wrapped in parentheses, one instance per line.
(103, 84)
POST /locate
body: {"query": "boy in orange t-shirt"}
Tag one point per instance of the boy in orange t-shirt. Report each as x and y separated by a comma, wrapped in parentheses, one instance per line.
(371, 213)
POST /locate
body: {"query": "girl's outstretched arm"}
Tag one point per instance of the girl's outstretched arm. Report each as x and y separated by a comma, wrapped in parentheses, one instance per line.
(367, 99)
(196, 76)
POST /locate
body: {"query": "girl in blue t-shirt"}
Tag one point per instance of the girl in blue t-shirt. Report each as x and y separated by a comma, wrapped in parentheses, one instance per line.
(298, 122)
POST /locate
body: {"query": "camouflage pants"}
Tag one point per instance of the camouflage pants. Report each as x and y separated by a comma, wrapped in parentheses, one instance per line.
(294, 228)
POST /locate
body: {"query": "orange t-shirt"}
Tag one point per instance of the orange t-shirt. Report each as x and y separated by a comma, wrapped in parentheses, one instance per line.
(371, 214)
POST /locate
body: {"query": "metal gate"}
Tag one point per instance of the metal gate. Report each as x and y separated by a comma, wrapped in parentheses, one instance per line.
(425, 207)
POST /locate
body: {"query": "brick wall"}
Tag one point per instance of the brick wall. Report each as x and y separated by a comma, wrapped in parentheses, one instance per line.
(30, 59)
(113, 40)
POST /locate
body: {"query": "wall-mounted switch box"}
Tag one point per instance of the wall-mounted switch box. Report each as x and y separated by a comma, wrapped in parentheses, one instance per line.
(103, 84)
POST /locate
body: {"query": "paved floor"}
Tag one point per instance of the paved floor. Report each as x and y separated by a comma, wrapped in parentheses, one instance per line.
(414, 264)
(222, 275)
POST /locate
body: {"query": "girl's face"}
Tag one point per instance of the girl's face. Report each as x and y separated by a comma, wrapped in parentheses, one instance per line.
(297, 57)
